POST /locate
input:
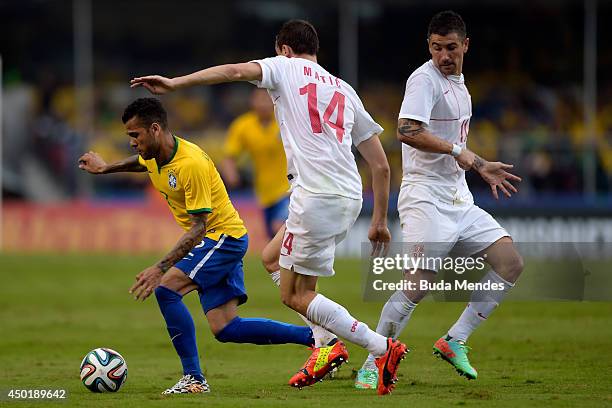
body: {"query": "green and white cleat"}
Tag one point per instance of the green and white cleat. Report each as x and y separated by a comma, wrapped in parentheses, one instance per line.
(455, 352)
(366, 379)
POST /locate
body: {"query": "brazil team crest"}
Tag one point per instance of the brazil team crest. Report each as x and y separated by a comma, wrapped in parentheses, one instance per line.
(172, 179)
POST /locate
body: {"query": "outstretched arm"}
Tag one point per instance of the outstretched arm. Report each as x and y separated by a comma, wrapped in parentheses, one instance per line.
(159, 85)
(93, 163)
(149, 279)
(374, 154)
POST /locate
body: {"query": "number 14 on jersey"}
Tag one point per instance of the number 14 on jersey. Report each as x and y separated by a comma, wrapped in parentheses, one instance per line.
(336, 103)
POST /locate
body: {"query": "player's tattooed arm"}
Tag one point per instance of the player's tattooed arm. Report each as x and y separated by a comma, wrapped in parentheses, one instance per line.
(479, 162)
(413, 133)
(93, 163)
(409, 127)
(186, 243)
(131, 164)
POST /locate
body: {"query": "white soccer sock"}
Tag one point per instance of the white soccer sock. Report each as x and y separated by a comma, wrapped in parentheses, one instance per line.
(321, 336)
(393, 318)
(338, 320)
(482, 303)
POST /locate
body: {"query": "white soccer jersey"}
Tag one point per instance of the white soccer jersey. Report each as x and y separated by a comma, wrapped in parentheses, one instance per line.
(444, 105)
(320, 116)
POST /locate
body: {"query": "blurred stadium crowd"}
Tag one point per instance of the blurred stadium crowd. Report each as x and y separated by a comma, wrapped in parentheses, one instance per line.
(526, 92)
(538, 128)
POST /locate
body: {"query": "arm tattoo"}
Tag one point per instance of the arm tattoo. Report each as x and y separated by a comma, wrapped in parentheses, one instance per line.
(409, 127)
(478, 162)
(186, 243)
(130, 164)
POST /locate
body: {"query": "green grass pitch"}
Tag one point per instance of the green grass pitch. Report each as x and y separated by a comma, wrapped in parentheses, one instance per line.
(54, 309)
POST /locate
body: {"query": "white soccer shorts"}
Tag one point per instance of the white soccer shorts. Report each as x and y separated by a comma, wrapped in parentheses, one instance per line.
(436, 229)
(316, 224)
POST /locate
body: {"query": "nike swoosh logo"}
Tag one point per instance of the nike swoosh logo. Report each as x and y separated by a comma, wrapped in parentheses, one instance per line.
(174, 337)
(277, 98)
(447, 91)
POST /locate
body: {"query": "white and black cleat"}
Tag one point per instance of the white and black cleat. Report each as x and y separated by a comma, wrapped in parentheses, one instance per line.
(188, 384)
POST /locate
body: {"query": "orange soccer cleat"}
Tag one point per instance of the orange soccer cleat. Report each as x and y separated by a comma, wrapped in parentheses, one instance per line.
(321, 361)
(388, 364)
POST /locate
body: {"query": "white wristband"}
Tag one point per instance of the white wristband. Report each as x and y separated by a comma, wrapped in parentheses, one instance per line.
(456, 150)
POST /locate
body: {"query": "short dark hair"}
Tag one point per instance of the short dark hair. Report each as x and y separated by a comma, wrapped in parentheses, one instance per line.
(300, 35)
(446, 22)
(148, 110)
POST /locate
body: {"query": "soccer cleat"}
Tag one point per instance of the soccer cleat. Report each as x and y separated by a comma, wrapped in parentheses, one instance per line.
(455, 352)
(332, 374)
(367, 379)
(388, 364)
(321, 361)
(188, 384)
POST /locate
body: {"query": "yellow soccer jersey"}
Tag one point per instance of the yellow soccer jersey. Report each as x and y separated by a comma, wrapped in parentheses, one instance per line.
(191, 184)
(264, 145)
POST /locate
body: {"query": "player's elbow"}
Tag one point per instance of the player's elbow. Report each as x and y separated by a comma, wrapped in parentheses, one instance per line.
(229, 73)
(234, 73)
(198, 229)
(381, 168)
(410, 141)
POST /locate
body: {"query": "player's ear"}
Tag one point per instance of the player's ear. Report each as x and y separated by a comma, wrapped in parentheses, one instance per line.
(155, 129)
(286, 50)
(466, 44)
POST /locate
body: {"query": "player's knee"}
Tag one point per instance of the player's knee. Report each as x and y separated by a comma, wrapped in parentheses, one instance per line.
(512, 268)
(165, 295)
(269, 259)
(518, 265)
(159, 293)
(227, 332)
(415, 296)
(289, 299)
(270, 264)
(217, 328)
(219, 335)
(286, 299)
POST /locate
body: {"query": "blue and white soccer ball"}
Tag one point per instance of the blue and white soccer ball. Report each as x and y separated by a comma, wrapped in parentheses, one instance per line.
(103, 370)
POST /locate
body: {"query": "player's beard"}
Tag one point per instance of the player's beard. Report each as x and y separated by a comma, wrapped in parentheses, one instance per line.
(449, 69)
(151, 150)
(146, 153)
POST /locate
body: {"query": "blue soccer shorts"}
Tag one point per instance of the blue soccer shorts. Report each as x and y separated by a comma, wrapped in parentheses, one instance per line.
(216, 267)
(279, 211)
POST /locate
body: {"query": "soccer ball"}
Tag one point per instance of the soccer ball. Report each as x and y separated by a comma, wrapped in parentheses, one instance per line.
(103, 370)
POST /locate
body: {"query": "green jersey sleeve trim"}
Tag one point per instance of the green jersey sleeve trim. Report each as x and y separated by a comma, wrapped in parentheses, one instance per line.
(200, 210)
